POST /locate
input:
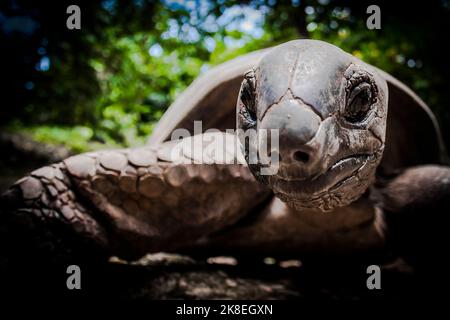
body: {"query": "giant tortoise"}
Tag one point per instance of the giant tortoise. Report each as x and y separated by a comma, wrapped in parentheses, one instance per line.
(357, 171)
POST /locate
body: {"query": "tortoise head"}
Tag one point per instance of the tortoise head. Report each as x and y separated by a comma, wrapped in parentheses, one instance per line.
(329, 111)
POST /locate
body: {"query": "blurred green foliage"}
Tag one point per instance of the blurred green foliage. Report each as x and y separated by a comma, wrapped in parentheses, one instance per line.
(110, 82)
(76, 138)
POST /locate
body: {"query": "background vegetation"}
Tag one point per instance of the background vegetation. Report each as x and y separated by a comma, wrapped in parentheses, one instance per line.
(108, 83)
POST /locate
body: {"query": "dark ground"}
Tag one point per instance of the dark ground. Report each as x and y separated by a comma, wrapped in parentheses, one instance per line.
(171, 276)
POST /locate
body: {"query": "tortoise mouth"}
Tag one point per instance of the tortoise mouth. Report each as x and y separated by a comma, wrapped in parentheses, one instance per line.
(338, 174)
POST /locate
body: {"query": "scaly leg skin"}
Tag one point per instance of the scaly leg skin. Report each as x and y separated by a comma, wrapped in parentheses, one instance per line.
(417, 206)
(124, 203)
(42, 219)
(43, 230)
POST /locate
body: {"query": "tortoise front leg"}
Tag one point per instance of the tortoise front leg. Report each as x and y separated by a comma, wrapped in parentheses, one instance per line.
(417, 207)
(124, 203)
(42, 219)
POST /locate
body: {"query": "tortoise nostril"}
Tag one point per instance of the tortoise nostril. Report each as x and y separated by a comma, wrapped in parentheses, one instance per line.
(301, 156)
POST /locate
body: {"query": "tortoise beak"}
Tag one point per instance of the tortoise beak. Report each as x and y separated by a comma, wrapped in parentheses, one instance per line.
(297, 125)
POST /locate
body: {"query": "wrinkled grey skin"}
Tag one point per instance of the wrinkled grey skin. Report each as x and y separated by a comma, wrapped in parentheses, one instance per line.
(330, 109)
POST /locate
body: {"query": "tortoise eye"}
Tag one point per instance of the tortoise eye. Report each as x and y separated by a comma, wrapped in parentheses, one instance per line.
(359, 102)
(248, 93)
(248, 99)
(361, 94)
